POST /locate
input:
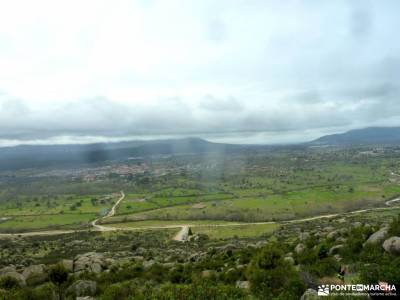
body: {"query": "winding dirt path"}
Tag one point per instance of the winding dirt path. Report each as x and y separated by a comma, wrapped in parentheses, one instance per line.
(111, 213)
(184, 229)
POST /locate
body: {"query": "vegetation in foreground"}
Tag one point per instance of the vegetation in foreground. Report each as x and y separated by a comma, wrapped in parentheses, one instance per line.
(285, 264)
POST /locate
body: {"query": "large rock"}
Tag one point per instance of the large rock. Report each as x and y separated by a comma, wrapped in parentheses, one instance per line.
(82, 288)
(332, 235)
(310, 294)
(289, 259)
(8, 269)
(68, 264)
(378, 237)
(91, 262)
(357, 224)
(35, 274)
(392, 245)
(148, 264)
(335, 249)
(304, 236)
(243, 284)
(15, 275)
(299, 248)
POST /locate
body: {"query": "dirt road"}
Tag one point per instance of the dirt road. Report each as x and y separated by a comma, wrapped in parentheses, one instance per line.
(184, 232)
(111, 213)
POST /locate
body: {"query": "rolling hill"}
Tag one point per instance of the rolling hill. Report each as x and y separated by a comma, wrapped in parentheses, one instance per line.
(366, 136)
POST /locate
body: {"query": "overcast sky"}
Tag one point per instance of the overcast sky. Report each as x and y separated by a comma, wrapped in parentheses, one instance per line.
(234, 71)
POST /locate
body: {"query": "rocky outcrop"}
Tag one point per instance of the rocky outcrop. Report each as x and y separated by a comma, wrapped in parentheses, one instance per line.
(310, 294)
(332, 235)
(289, 259)
(35, 274)
(299, 248)
(392, 245)
(243, 284)
(11, 271)
(82, 288)
(335, 249)
(304, 236)
(378, 237)
(91, 262)
(68, 264)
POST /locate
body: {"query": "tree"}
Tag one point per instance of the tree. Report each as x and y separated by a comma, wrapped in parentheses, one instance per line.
(273, 277)
(58, 275)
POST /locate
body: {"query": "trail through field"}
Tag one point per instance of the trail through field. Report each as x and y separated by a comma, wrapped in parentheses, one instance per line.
(111, 213)
(184, 229)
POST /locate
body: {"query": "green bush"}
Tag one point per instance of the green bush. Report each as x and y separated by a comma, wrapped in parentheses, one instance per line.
(9, 283)
(394, 227)
(273, 277)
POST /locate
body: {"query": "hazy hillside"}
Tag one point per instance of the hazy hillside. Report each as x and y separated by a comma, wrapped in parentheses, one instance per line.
(51, 155)
(371, 135)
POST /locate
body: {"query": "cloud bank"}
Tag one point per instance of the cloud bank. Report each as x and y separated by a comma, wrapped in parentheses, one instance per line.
(243, 71)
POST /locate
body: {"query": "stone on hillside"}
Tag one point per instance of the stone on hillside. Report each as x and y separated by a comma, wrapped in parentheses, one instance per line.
(35, 274)
(138, 258)
(392, 245)
(207, 274)
(329, 228)
(304, 236)
(168, 265)
(148, 264)
(378, 237)
(91, 262)
(15, 275)
(83, 288)
(261, 244)
(299, 248)
(289, 259)
(357, 224)
(243, 284)
(332, 235)
(140, 251)
(337, 257)
(310, 294)
(68, 264)
(8, 269)
(335, 249)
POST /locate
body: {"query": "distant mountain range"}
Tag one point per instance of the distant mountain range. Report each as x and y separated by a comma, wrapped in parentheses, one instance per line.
(366, 136)
(34, 156)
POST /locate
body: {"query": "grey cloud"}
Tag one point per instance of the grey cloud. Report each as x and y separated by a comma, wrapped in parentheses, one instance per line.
(259, 67)
(212, 103)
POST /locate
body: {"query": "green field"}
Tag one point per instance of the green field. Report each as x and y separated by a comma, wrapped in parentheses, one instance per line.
(271, 186)
(52, 212)
(162, 223)
(290, 205)
(35, 222)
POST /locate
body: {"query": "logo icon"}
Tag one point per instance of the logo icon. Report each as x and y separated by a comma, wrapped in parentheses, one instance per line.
(323, 290)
